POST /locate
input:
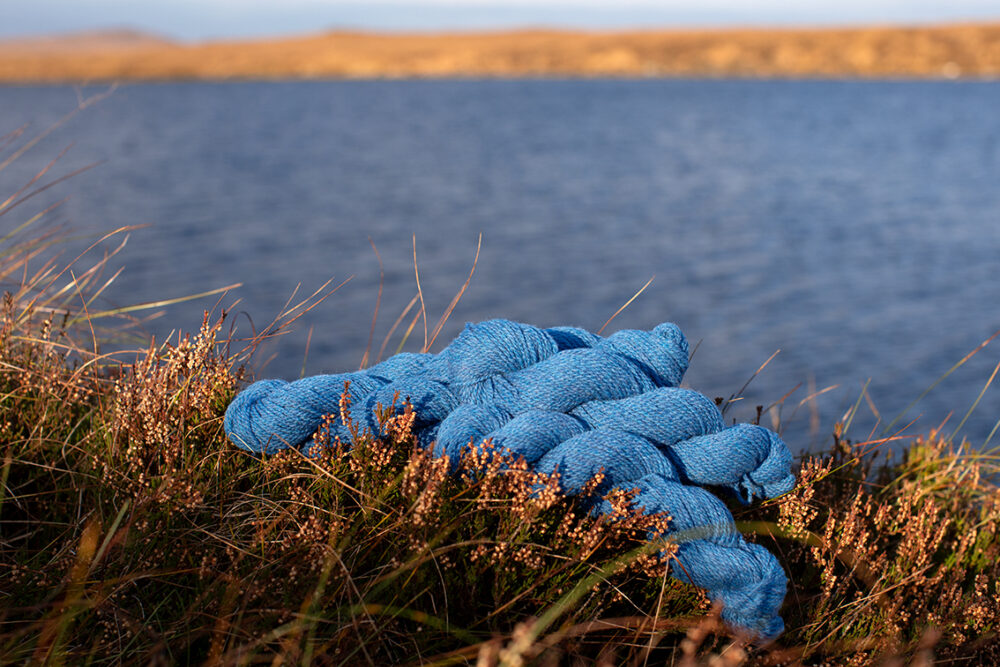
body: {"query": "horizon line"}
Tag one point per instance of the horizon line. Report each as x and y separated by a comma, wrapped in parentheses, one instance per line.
(368, 30)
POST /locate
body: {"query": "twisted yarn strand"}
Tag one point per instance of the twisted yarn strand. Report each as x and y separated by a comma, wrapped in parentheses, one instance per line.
(272, 415)
(711, 552)
(570, 401)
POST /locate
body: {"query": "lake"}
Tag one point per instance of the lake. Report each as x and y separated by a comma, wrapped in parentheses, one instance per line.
(855, 226)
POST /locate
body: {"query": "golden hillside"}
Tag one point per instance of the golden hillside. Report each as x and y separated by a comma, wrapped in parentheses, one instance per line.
(932, 51)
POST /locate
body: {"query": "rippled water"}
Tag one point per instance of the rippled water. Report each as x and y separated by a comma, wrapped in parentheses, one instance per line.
(853, 225)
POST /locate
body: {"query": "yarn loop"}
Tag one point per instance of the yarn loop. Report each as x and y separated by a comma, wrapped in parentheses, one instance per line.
(571, 402)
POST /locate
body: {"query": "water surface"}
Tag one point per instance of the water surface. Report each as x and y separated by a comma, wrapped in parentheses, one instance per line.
(853, 225)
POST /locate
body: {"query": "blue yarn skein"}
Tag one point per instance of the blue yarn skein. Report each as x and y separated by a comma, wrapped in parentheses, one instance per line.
(628, 363)
(683, 425)
(271, 415)
(477, 363)
(745, 577)
(750, 460)
(522, 367)
(566, 399)
(602, 388)
(485, 362)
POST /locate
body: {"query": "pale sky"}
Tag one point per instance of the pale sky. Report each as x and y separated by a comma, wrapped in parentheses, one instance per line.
(201, 19)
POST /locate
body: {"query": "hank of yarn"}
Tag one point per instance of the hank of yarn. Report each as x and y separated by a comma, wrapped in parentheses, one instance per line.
(571, 402)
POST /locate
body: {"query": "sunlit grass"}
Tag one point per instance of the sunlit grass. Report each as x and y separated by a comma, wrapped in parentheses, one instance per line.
(132, 531)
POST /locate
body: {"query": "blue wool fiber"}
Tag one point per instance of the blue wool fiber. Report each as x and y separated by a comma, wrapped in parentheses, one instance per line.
(749, 460)
(533, 433)
(273, 414)
(467, 424)
(570, 379)
(407, 364)
(495, 347)
(628, 363)
(746, 578)
(569, 338)
(571, 402)
(432, 401)
(661, 354)
(743, 447)
(621, 457)
(712, 554)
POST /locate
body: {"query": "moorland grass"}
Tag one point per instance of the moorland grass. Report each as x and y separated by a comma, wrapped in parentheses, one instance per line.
(132, 531)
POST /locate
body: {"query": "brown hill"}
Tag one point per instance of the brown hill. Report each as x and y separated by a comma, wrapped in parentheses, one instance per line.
(84, 41)
(928, 51)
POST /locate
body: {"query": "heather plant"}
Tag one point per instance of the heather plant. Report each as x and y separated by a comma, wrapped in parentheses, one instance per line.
(132, 531)
(895, 553)
(160, 539)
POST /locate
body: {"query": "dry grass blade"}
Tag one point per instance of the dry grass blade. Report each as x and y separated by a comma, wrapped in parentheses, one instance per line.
(738, 395)
(378, 303)
(852, 412)
(305, 355)
(458, 297)
(12, 136)
(626, 304)
(282, 322)
(43, 281)
(993, 432)
(10, 205)
(148, 305)
(814, 416)
(83, 104)
(951, 370)
(34, 179)
(420, 294)
(409, 330)
(975, 403)
(395, 325)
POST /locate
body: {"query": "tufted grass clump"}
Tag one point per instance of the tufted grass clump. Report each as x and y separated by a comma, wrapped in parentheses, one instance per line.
(132, 531)
(894, 553)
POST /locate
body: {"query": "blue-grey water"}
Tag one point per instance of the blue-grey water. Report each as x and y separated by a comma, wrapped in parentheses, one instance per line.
(855, 226)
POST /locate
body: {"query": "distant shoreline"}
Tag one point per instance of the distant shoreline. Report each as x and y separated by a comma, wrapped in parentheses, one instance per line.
(917, 52)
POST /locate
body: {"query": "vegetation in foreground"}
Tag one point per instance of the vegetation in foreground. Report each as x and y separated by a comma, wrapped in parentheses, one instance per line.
(945, 51)
(132, 531)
